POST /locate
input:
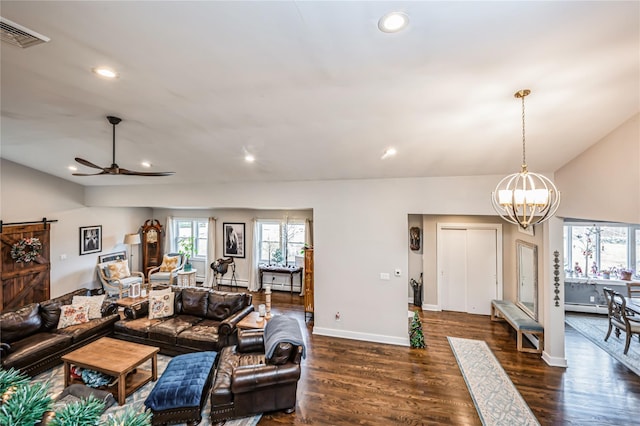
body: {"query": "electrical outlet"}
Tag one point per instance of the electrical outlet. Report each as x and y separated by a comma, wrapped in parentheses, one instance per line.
(337, 316)
(592, 299)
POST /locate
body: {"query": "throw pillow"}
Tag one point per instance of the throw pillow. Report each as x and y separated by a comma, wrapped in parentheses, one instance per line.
(161, 305)
(93, 302)
(72, 315)
(119, 269)
(169, 263)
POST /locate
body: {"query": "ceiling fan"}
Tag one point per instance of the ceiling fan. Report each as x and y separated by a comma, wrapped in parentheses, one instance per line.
(114, 169)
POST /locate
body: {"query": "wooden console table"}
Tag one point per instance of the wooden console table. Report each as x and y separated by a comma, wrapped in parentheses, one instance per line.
(275, 269)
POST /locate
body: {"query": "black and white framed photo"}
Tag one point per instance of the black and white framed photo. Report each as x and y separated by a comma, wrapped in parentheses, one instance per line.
(90, 239)
(233, 239)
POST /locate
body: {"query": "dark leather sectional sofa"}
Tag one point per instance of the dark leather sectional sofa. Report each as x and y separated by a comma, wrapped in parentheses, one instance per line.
(31, 341)
(203, 320)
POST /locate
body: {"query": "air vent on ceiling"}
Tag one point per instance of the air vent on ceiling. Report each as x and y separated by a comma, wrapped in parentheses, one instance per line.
(18, 35)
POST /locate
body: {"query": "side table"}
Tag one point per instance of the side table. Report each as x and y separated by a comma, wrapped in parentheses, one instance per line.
(187, 278)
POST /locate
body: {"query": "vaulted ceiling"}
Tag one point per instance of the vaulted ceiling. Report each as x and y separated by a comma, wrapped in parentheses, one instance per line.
(313, 89)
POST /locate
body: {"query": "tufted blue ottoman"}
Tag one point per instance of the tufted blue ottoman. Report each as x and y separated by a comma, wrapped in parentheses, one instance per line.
(181, 392)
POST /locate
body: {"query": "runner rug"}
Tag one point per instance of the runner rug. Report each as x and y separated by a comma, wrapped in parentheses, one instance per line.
(496, 398)
(55, 377)
(594, 328)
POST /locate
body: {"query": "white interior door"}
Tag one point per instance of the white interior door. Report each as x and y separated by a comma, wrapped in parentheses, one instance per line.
(453, 273)
(481, 272)
(469, 268)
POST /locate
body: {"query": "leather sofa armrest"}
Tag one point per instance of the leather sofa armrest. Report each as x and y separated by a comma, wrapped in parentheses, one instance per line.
(138, 311)
(251, 377)
(109, 309)
(228, 325)
(250, 341)
(5, 349)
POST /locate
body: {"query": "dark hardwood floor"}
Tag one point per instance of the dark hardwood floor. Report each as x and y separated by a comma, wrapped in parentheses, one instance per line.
(347, 382)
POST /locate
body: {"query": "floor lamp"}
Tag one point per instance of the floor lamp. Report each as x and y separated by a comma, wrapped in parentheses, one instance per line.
(132, 240)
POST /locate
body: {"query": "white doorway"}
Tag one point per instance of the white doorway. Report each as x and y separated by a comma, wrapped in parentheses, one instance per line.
(469, 261)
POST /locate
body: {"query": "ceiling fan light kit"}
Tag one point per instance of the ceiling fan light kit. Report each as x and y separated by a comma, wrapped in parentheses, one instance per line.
(525, 198)
(114, 169)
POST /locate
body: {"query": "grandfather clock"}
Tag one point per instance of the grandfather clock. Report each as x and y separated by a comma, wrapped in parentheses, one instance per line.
(151, 244)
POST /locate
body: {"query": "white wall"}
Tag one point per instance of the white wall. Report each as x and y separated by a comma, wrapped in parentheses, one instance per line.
(603, 183)
(28, 195)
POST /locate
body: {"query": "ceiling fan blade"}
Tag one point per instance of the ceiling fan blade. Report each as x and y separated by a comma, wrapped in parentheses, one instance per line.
(88, 163)
(90, 174)
(134, 173)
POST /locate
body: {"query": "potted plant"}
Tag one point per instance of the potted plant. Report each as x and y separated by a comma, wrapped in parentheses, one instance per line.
(186, 249)
(626, 274)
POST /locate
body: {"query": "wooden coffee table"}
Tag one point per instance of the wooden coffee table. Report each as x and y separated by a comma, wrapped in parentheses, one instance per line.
(116, 358)
(251, 321)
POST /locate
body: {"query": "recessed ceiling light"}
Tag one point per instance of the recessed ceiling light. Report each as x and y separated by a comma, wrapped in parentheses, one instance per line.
(105, 72)
(145, 164)
(389, 152)
(73, 168)
(249, 158)
(393, 22)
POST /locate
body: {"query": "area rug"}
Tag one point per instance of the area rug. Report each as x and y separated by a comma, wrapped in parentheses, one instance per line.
(594, 328)
(55, 377)
(496, 398)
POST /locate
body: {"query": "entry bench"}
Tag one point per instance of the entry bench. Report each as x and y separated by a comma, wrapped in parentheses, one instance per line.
(503, 310)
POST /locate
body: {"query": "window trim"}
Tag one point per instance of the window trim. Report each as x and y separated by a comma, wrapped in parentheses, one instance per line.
(194, 232)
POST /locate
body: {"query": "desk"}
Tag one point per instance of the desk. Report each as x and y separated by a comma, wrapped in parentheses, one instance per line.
(275, 269)
(187, 278)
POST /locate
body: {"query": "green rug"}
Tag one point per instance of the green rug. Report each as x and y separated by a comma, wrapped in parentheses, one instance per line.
(594, 328)
(496, 398)
(55, 377)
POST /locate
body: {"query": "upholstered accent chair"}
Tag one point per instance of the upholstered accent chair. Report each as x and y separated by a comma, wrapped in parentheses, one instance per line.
(116, 278)
(619, 318)
(167, 272)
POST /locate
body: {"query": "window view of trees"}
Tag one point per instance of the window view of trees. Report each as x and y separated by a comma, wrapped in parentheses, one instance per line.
(197, 229)
(601, 250)
(278, 240)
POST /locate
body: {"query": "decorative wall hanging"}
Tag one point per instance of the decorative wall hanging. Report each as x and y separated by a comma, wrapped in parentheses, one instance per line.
(556, 276)
(233, 239)
(26, 250)
(90, 239)
(414, 236)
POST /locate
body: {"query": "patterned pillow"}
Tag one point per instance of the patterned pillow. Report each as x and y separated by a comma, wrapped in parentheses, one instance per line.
(169, 263)
(93, 302)
(161, 305)
(72, 315)
(119, 269)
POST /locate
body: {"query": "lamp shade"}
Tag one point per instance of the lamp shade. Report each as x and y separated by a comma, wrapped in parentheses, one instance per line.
(132, 239)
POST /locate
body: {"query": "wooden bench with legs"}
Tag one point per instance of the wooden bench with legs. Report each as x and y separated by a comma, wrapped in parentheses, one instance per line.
(502, 310)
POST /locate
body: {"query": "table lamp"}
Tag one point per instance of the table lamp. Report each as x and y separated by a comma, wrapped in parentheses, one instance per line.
(131, 239)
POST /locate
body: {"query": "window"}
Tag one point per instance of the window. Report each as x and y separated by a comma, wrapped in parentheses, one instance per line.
(280, 242)
(195, 229)
(593, 248)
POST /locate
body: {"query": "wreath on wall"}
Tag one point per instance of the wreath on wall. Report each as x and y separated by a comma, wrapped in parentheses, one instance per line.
(26, 250)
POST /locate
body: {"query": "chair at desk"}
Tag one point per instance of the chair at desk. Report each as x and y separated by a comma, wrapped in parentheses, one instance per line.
(221, 267)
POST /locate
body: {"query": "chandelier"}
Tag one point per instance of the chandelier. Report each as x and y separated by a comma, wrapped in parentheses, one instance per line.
(525, 198)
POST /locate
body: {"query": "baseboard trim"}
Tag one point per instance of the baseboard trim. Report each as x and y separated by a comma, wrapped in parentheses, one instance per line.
(366, 337)
(554, 361)
(435, 308)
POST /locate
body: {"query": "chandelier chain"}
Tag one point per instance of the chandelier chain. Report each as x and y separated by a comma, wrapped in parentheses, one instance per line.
(524, 159)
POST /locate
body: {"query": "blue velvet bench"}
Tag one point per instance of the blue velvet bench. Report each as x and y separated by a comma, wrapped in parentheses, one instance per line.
(181, 392)
(520, 321)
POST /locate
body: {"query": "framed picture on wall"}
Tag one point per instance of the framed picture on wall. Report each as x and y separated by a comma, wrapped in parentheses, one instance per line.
(90, 239)
(234, 237)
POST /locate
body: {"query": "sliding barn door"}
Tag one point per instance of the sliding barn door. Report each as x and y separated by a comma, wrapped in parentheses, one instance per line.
(468, 269)
(24, 283)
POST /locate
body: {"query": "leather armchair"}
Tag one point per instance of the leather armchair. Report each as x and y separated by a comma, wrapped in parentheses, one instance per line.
(247, 383)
